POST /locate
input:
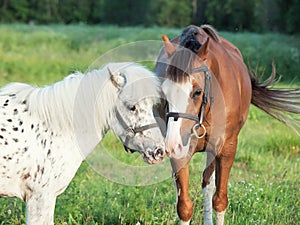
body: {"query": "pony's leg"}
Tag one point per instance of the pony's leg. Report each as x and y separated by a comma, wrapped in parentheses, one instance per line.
(224, 161)
(184, 203)
(208, 187)
(40, 210)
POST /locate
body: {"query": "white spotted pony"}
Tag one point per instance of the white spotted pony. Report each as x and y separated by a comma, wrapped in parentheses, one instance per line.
(45, 133)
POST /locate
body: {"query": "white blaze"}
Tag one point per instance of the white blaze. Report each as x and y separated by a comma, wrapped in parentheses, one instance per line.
(177, 96)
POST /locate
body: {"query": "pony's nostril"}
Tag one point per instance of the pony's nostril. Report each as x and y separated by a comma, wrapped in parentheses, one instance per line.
(159, 152)
(148, 153)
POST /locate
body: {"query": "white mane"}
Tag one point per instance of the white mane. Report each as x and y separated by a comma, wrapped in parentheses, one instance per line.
(77, 99)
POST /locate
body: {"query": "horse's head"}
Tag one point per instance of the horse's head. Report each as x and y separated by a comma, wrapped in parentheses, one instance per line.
(187, 88)
(135, 124)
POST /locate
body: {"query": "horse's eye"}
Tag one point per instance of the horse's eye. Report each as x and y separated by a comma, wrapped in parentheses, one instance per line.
(197, 93)
(132, 108)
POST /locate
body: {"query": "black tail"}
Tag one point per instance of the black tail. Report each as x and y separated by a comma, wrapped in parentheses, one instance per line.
(282, 104)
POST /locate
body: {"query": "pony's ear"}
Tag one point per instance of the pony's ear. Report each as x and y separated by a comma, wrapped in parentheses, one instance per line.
(203, 51)
(118, 79)
(169, 47)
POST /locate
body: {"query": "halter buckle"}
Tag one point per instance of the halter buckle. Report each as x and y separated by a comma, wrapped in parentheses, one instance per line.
(196, 127)
(130, 132)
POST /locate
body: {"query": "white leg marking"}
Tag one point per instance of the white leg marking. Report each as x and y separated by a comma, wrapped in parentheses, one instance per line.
(40, 210)
(220, 217)
(208, 192)
(184, 223)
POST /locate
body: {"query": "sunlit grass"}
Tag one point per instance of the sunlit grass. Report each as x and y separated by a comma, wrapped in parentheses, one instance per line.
(264, 182)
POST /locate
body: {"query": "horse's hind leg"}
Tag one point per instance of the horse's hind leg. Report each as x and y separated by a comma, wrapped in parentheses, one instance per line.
(208, 187)
(40, 210)
(224, 161)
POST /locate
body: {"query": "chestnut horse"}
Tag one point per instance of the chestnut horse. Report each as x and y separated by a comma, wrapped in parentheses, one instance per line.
(209, 90)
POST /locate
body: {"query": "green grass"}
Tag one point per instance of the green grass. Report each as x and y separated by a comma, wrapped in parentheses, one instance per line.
(264, 182)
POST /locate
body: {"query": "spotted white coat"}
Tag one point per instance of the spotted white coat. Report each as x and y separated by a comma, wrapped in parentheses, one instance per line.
(45, 133)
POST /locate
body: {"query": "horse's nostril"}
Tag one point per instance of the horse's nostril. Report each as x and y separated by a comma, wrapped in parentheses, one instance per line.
(179, 147)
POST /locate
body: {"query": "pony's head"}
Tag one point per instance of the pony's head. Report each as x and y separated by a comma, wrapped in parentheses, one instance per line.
(187, 88)
(138, 92)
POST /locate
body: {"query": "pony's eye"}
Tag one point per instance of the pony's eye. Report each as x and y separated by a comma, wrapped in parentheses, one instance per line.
(197, 93)
(132, 108)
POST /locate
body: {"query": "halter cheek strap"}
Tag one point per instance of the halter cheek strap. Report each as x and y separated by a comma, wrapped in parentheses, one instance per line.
(130, 132)
(207, 90)
(207, 95)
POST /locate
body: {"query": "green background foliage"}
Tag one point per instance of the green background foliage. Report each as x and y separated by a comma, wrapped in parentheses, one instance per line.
(57, 50)
(264, 182)
(231, 15)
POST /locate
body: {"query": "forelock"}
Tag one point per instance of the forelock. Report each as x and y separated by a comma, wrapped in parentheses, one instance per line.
(181, 65)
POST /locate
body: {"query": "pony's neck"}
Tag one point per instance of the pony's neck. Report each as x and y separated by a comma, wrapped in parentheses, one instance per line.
(94, 107)
(80, 107)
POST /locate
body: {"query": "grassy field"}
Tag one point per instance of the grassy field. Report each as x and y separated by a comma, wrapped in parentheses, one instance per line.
(264, 184)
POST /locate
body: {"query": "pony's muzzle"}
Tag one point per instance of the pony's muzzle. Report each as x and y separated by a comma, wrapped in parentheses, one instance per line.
(154, 156)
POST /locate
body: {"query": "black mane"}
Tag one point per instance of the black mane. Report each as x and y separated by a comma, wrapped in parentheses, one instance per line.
(181, 64)
(188, 38)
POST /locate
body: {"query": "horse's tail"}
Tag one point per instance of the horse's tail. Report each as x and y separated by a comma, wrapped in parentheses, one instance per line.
(281, 103)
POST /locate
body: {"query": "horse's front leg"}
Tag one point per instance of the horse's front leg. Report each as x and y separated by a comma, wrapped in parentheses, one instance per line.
(224, 161)
(40, 209)
(184, 203)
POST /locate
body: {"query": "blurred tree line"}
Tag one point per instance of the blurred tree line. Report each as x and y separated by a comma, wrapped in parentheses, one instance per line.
(231, 15)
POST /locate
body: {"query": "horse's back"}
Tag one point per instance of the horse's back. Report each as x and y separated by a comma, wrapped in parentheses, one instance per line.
(234, 82)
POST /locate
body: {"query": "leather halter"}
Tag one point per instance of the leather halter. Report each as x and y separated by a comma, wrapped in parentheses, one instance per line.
(207, 95)
(131, 132)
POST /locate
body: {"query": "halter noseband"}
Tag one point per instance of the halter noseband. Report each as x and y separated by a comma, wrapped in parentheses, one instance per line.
(207, 95)
(131, 132)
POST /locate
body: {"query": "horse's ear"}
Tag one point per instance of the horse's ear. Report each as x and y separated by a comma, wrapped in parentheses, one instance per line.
(203, 51)
(118, 79)
(169, 47)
